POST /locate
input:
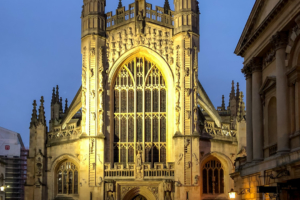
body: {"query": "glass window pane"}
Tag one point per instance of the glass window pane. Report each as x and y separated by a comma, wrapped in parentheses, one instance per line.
(139, 101)
(131, 154)
(148, 130)
(155, 154)
(204, 181)
(130, 130)
(155, 129)
(148, 101)
(117, 101)
(123, 129)
(123, 101)
(116, 135)
(75, 182)
(65, 178)
(163, 154)
(155, 100)
(70, 182)
(163, 100)
(163, 129)
(221, 181)
(139, 129)
(210, 182)
(130, 101)
(216, 179)
(59, 182)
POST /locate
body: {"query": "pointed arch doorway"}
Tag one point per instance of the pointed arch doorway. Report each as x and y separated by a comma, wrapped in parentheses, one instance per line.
(139, 197)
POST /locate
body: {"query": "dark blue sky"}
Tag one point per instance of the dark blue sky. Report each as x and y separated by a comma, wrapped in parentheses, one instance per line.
(40, 48)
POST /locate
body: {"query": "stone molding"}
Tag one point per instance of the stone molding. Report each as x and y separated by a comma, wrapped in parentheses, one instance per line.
(254, 65)
(293, 38)
(279, 40)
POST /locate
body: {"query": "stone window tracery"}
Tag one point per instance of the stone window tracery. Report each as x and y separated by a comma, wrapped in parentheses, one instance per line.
(213, 177)
(140, 111)
(67, 178)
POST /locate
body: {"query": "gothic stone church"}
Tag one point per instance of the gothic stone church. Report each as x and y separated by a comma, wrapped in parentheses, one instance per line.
(141, 126)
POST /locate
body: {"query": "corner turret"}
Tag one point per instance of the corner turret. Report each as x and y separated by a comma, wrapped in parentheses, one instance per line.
(187, 16)
(93, 18)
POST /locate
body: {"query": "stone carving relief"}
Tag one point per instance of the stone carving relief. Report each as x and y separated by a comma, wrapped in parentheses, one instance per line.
(179, 158)
(125, 189)
(139, 173)
(196, 159)
(196, 179)
(158, 40)
(39, 166)
(154, 191)
(82, 158)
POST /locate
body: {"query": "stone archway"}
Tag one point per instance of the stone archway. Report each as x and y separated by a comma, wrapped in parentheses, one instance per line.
(139, 193)
(139, 197)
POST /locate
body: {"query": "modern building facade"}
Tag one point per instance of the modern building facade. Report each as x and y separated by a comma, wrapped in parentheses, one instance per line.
(14, 154)
(141, 126)
(2, 179)
(270, 47)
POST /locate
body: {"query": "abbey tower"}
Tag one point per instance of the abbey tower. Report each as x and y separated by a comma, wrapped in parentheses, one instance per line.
(141, 126)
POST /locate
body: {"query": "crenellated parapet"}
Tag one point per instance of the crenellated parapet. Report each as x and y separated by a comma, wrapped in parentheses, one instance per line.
(160, 16)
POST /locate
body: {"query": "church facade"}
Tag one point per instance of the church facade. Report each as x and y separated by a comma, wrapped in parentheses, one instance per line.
(141, 126)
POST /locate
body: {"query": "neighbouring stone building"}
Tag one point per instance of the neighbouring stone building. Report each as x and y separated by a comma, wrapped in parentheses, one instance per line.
(141, 126)
(270, 45)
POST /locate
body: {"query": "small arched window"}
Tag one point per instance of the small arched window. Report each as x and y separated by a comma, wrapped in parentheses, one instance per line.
(67, 178)
(213, 177)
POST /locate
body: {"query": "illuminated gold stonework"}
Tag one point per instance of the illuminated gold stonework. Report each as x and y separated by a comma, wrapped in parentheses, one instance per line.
(141, 125)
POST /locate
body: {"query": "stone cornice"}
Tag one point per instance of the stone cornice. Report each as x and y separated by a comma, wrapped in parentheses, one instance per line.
(246, 39)
(279, 40)
(254, 65)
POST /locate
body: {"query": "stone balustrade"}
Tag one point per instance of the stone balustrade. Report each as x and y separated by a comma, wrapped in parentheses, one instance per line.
(155, 16)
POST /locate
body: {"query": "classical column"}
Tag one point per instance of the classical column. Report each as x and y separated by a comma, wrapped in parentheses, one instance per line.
(292, 108)
(297, 105)
(257, 110)
(248, 74)
(279, 41)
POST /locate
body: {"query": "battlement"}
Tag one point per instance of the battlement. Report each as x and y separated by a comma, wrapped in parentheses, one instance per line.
(126, 16)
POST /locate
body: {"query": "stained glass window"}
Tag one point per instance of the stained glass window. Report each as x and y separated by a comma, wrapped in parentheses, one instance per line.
(139, 88)
(59, 182)
(67, 178)
(213, 177)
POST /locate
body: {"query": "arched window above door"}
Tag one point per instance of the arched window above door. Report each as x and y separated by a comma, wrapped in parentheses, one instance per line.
(67, 178)
(213, 177)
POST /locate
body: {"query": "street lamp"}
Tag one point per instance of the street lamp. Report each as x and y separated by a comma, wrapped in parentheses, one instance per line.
(232, 194)
(3, 187)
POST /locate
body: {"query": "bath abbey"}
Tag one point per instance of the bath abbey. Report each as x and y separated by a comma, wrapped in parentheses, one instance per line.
(141, 126)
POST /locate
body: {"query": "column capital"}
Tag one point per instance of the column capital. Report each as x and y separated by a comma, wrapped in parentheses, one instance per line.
(279, 40)
(247, 71)
(254, 65)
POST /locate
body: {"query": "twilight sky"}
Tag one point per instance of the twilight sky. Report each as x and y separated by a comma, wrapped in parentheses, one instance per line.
(40, 48)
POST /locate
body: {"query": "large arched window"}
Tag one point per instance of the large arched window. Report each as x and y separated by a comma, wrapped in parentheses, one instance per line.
(67, 178)
(139, 112)
(213, 177)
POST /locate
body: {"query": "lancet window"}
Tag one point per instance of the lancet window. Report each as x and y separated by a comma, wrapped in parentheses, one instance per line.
(213, 177)
(67, 178)
(140, 112)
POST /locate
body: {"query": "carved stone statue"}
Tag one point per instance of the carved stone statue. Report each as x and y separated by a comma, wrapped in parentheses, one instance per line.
(139, 165)
(140, 23)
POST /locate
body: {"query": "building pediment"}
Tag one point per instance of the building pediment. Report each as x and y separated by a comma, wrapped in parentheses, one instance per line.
(268, 84)
(261, 15)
